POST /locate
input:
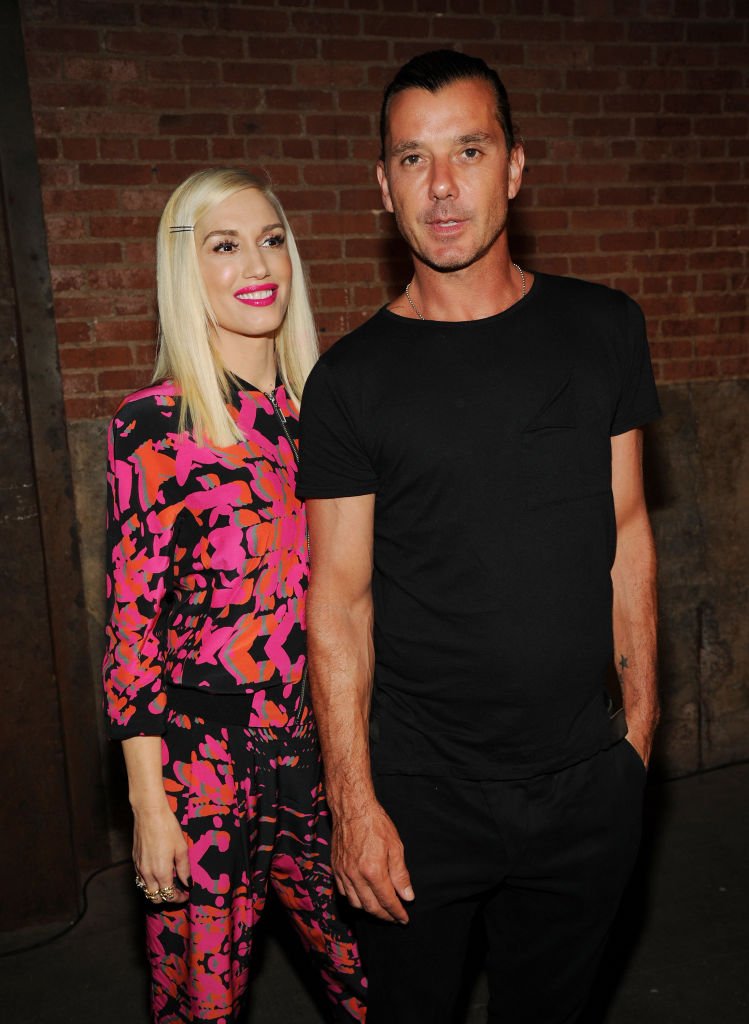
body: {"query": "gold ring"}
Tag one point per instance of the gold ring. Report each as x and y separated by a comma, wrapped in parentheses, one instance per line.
(139, 882)
(168, 893)
(153, 897)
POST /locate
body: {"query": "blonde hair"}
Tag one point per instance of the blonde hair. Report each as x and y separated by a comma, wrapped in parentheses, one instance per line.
(186, 353)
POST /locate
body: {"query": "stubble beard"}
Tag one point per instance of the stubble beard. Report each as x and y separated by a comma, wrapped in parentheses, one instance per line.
(447, 265)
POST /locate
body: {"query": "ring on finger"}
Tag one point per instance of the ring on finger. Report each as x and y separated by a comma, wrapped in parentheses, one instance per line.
(168, 892)
(140, 882)
(152, 896)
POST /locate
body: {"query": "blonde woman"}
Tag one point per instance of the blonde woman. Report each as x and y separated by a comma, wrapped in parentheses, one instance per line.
(205, 666)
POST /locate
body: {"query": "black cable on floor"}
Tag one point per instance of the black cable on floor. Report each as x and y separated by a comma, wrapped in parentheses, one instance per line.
(76, 921)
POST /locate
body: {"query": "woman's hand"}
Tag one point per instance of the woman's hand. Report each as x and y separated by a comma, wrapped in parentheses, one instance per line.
(160, 852)
(159, 848)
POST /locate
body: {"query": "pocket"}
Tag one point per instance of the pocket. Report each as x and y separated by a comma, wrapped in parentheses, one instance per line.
(563, 458)
(632, 754)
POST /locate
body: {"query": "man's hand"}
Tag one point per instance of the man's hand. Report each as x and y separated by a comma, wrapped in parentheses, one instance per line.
(642, 744)
(369, 866)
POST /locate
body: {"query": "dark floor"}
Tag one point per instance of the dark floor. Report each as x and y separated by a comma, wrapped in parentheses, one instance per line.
(680, 952)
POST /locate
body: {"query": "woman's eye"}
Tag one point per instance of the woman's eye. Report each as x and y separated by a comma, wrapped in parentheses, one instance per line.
(226, 246)
(273, 241)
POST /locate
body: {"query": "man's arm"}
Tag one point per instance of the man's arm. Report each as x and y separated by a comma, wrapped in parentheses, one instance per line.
(635, 606)
(367, 853)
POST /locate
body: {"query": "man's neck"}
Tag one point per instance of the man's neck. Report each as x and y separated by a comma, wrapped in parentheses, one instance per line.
(473, 293)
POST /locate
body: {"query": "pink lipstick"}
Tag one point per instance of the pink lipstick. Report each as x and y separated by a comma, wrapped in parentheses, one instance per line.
(257, 294)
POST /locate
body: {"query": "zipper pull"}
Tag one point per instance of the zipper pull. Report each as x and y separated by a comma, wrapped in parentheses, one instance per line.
(272, 399)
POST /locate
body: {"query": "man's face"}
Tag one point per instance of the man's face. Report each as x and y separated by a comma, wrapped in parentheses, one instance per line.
(447, 175)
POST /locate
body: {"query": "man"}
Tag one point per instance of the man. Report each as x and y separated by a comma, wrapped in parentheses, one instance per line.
(472, 463)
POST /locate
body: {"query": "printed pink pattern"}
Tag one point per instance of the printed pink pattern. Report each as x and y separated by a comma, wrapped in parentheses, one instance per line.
(207, 562)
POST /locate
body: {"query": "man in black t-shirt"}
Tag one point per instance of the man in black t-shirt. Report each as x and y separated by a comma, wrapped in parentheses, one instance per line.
(481, 552)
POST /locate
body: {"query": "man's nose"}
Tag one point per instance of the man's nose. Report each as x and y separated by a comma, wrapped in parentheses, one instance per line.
(442, 184)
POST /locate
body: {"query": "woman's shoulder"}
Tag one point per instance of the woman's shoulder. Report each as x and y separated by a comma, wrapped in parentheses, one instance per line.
(151, 411)
(158, 399)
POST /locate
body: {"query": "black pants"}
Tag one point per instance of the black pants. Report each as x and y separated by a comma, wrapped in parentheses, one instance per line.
(543, 861)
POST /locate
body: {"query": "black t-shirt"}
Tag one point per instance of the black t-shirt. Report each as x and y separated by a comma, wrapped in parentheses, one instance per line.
(487, 445)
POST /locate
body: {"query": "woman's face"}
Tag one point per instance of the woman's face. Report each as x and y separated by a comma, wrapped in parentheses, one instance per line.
(246, 269)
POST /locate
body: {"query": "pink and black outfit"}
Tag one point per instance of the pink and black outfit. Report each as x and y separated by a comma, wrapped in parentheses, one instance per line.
(206, 584)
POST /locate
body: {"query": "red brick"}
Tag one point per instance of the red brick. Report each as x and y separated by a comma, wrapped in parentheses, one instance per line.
(314, 23)
(191, 16)
(686, 56)
(115, 174)
(88, 253)
(116, 149)
(720, 346)
(122, 380)
(139, 42)
(353, 49)
(226, 97)
(622, 241)
(191, 149)
(403, 26)
(155, 149)
(736, 367)
(193, 124)
(688, 327)
(706, 216)
(283, 47)
(123, 227)
(228, 149)
(94, 357)
(598, 219)
(70, 94)
(78, 383)
(61, 40)
(73, 332)
(123, 330)
(106, 69)
(337, 174)
(183, 70)
(258, 72)
(153, 97)
(223, 46)
(337, 124)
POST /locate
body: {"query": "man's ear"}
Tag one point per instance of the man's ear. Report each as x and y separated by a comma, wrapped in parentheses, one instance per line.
(515, 175)
(384, 187)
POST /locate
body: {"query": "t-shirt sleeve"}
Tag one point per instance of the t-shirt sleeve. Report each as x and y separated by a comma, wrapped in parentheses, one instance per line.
(333, 462)
(638, 399)
(140, 530)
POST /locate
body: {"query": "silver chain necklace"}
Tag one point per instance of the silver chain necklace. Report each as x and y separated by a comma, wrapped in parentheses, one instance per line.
(417, 311)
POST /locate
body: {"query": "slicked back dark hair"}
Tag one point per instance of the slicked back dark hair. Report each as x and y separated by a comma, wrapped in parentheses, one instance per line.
(433, 71)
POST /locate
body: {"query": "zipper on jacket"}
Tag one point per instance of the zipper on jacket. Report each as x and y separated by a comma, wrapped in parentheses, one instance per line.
(271, 396)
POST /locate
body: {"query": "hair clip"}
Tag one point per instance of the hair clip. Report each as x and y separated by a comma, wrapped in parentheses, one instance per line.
(181, 227)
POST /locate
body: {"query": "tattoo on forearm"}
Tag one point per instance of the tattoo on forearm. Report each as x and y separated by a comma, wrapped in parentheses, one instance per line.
(623, 663)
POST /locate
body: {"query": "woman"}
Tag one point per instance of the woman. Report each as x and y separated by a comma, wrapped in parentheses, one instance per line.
(204, 669)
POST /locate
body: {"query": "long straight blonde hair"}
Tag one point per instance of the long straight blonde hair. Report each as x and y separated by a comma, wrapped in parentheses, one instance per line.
(186, 353)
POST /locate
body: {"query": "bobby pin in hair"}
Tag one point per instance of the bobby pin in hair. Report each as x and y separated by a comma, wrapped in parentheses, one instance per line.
(181, 227)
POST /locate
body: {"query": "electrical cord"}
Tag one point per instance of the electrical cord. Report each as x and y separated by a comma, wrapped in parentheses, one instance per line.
(76, 921)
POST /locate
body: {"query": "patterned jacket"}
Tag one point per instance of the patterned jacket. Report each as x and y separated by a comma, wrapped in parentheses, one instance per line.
(207, 561)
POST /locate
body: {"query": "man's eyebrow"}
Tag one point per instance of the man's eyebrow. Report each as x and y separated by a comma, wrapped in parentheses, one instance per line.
(403, 147)
(234, 234)
(462, 140)
(466, 140)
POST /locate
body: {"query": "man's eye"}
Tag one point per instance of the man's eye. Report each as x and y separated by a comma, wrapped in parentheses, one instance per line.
(471, 152)
(411, 159)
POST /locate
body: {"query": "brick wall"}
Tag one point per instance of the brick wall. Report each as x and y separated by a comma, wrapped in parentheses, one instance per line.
(635, 115)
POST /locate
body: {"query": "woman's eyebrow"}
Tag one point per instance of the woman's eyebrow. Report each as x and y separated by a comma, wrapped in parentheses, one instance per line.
(233, 233)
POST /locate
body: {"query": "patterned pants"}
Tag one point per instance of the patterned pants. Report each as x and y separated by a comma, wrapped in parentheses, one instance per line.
(251, 805)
